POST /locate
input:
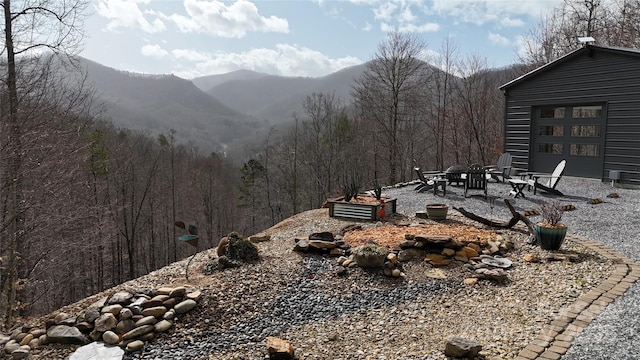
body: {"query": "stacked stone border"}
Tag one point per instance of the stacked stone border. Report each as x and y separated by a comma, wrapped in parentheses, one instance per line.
(557, 336)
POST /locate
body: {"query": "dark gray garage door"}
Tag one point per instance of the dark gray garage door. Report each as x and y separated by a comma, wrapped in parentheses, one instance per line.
(575, 133)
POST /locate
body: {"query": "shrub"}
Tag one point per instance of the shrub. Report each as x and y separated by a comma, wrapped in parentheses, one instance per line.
(239, 248)
(551, 212)
(370, 248)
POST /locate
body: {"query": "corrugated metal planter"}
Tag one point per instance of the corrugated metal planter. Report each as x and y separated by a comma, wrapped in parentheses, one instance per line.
(359, 210)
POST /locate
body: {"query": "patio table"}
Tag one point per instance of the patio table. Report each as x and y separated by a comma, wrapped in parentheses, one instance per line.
(439, 182)
(517, 186)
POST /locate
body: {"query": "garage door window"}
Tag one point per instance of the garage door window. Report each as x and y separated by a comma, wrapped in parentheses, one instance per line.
(590, 111)
(583, 150)
(555, 149)
(585, 131)
(556, 130)
(552, 112)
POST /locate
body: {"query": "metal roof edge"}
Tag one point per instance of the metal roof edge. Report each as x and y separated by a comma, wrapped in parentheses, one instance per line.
(569, 56)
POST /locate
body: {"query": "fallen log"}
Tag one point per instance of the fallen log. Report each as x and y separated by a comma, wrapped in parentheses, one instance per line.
(516, 217)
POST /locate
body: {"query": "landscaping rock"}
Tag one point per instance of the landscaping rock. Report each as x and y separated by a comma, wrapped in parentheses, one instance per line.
(97, 351)
(135, 346)
(105, 322)
(162, 326)
(179, 291)
(21, 353)
(411, 254)
(11, 346)
(121, 297)
(156, 311)
(110, 338)
(137, 332)
(64, 334)
(279, 349)
(185, 306)
(457, 346)
(147, 320)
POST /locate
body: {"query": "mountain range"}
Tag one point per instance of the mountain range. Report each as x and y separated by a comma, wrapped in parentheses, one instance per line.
(224, 113)
(215, 113)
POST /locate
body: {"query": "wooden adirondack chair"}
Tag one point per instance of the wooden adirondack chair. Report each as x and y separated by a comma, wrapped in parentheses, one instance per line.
(475, 179)
(501, 170)
(548, 182)
(424, 183)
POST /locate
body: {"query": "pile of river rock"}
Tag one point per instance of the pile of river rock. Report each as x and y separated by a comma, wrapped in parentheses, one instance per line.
(485, 261)
(126, 319)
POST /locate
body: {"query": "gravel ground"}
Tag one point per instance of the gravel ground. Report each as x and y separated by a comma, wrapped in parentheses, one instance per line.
(366, 316)
(615, 223)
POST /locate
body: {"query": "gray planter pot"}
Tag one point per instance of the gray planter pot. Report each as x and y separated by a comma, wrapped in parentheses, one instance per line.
(437, 211)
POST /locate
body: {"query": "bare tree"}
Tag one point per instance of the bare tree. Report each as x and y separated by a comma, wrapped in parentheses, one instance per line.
(439, 88)
(478, 100)
(383, 94)
(613, 23)
(322, 144)
(30, 27)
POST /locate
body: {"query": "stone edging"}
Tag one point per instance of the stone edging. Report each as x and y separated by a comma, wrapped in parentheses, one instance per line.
(556, 337)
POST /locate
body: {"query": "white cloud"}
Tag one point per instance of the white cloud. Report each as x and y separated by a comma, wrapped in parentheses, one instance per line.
(484, 11)
(386, 27)
(400, 15)
(284, 59)
(190, 55)
(154, 51)
(498, 39)
(406, 16)
(511, 22)
(125, 14)
(230, 21)
(367, 26)
(429, 55)
(428, 27)
(385, 10)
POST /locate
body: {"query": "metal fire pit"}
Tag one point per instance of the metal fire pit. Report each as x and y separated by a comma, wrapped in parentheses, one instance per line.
(454, 174)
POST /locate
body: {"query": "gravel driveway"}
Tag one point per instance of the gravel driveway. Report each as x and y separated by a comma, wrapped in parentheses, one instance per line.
(615, 222)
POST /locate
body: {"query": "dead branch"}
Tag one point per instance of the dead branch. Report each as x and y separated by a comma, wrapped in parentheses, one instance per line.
(533, 236)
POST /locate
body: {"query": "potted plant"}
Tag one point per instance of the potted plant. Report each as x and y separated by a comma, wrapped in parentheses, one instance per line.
(551, 232)
(371, 205)
(370, 255)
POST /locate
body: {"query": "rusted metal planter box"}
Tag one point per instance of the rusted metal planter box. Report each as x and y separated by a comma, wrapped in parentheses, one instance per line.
(356, 210)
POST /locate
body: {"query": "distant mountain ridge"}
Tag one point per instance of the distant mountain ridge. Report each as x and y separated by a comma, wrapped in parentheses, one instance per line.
(212, 112)
(159, 103)
(217, 112)
(205, 83)
(274, 98)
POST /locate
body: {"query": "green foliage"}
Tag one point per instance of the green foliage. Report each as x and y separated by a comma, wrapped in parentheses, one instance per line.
(252, 172)
(163, 141)
(98, 154)
(242, 249)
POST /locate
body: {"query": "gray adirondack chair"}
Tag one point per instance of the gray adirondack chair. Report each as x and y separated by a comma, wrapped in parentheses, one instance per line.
(501, 170)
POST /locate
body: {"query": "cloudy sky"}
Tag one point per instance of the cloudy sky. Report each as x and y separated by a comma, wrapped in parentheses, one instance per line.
(192, 38)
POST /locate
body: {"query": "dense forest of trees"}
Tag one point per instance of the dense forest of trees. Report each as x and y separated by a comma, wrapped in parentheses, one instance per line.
(86, 205)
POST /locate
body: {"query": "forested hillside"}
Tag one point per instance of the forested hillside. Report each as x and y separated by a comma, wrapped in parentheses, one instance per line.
(159, 103)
